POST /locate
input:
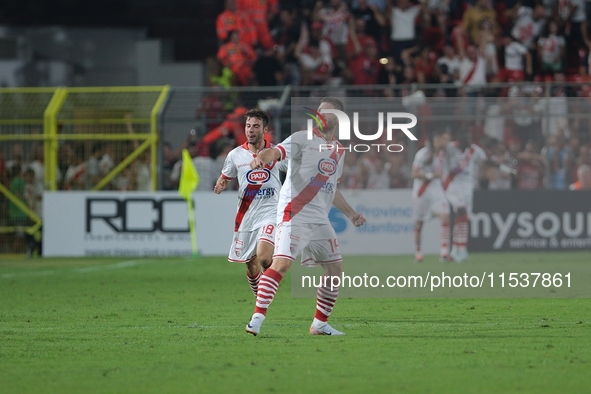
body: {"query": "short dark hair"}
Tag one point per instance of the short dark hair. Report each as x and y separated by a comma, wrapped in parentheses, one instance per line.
(338, 104)
(259, 114)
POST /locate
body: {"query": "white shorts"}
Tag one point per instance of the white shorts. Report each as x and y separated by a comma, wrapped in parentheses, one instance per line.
(432, 202)
(316, 242)
(244, 245)
(459, 197)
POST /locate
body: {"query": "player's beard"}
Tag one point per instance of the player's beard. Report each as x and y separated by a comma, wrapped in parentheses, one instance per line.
(257, 140)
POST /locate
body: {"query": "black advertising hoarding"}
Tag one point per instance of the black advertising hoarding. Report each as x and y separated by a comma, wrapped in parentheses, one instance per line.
(536, 220)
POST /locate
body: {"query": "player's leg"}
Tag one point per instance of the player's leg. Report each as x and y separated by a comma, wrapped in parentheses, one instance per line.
(421, 212)
(243, 250)
(266, 246)
(417, 239)
(253, 273)
(263, 258)
(440, 208)
(458, 206)
(323, 249)
(286, 249)
(460, 235)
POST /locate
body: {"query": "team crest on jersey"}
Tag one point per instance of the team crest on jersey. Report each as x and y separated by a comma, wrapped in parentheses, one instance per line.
(238, 252)
(327, 167)
(258, 177)
(292, 248)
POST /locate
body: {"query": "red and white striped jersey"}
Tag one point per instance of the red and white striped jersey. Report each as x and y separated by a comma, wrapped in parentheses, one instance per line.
(315, 168)
(258, 190)
(462, 166)
(425, 164)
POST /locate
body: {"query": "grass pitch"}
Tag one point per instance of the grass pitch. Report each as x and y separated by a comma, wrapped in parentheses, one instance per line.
(177, 325)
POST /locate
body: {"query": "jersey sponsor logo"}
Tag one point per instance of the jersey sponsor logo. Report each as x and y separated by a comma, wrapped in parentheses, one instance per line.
(258, 177)
(327, 167)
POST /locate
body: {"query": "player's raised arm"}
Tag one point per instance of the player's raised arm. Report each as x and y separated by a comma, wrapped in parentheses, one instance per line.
(342, 205)
(265, 157)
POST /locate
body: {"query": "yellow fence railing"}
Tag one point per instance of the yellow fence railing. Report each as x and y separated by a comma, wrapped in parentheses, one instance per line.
(80, 138)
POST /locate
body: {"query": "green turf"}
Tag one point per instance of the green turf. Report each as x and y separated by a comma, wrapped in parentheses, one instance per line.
(177, 325)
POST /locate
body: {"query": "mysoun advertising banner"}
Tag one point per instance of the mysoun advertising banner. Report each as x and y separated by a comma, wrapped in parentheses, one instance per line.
(523, 220)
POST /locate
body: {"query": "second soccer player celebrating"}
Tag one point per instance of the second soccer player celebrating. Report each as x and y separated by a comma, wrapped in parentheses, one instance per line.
(302, 215)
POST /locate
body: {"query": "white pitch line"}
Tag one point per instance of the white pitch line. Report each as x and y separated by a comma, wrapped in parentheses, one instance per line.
(95, 268)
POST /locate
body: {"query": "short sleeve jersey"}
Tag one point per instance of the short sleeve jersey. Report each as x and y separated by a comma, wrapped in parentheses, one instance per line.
(258, 190)
(423, 163)
(463, 166)
(314, 170)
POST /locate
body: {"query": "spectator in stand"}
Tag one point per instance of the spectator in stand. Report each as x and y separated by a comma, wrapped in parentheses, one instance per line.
(528, 23)
(377, 174)
(286, 35)
(373, 18)
(425, 65)
(365, 67)
(554, 109)
(472, 63)
(260, 12)
(402, 20)
(498, 179)
(551, 50)
(211, 108)
(555, 156)
(584, 157)
(337, 22)
(231, 20)
(38, 167)
(399, 170)
(572, 17)
(238, 57)
(514, 54)
(232, 127)
(351, 178)
(74, 178)
(530, 167)
(17, 159)
(315, 60)
(583, 178)
(92, 174)
(389, 74)
(141, 169)
(357, 39)
(268, 70)
(475, 17)
(433, 34)
(448, 66)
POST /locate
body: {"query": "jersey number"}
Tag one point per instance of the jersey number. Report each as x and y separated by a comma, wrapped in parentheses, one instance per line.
(333, 244)
(269, 229)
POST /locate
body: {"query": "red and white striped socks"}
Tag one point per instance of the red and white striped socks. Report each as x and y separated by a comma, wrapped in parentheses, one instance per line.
(444, 235)
(460, 232)
(268, 285)
(325, 300)
(417, 234)
(253, 281)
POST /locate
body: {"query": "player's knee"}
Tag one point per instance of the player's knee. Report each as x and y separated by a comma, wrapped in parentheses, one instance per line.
(281, 266)
(265, 261)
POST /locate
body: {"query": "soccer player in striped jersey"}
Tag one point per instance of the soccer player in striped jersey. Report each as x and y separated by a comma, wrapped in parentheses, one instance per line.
(463, 163)
(254, 227)
(427, 192)
(316, 163)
